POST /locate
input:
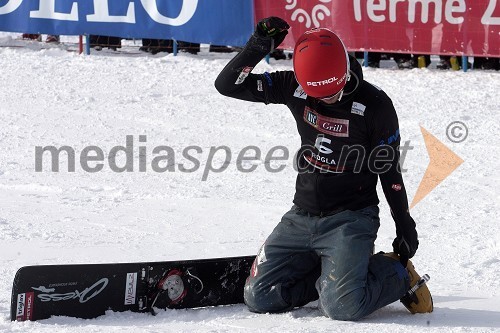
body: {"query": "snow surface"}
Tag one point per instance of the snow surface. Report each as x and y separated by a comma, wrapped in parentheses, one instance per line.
(54, 97)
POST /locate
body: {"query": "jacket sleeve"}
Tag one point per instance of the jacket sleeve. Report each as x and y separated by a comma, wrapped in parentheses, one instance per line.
(237, 81)
(385, 143)
(395, 194)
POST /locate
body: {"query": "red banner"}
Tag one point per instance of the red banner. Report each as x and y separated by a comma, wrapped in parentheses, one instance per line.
(453, 27)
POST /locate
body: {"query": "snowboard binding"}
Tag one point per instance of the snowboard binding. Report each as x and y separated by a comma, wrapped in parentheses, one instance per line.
(175, 285)
(411, 296)
(418, 298)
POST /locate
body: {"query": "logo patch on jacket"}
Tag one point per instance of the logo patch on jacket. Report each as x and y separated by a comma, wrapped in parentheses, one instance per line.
(299, 93)
(259, 85)
(243, 75)
(330, 126)
(358, 108)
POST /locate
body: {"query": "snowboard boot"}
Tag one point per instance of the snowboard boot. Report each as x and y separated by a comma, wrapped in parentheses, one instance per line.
(421, 300)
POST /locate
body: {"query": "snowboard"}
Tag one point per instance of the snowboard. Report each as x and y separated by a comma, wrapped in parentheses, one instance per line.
(89, 290)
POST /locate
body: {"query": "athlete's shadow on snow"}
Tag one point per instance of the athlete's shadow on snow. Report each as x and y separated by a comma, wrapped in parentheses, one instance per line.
(441, 317)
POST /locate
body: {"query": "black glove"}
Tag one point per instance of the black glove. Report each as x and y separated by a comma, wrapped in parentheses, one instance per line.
(273, 27)
(406, 242)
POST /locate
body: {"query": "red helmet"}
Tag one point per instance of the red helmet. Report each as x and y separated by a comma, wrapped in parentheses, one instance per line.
(321, 63)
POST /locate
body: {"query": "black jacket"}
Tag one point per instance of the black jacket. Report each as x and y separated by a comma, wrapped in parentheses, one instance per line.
(335, 169)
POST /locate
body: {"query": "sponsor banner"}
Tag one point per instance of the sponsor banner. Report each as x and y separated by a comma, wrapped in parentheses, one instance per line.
(221, 22)
(454, 27)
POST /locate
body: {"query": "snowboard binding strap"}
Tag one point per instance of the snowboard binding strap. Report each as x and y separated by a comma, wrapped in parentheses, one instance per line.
(410, 295)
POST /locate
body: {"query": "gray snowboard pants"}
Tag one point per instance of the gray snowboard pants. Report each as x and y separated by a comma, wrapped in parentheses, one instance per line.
(307, 257)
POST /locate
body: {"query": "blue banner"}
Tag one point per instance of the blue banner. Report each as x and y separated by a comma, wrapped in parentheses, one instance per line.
(220, 22)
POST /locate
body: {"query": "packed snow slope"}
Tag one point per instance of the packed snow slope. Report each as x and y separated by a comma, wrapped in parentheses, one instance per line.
(157, 212)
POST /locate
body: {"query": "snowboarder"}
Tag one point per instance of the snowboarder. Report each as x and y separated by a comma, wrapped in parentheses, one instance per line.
(323, 247)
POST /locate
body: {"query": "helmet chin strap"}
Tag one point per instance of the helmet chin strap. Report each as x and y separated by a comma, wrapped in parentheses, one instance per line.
(348, 79)
(341, 94)
(352, 74)
(348, 62)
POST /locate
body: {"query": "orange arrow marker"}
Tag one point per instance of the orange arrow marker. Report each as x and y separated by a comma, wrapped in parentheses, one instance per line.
(442, 163)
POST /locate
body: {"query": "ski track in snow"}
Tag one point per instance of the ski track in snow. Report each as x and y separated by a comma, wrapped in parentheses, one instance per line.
(54, 97)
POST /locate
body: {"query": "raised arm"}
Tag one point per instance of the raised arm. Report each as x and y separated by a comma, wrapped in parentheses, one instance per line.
(236, 80)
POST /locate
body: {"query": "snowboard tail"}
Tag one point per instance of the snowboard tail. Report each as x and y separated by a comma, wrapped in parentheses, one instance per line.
(89, 290)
